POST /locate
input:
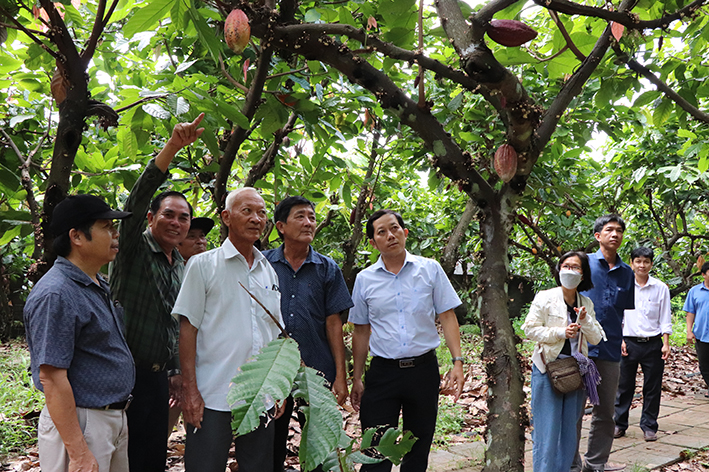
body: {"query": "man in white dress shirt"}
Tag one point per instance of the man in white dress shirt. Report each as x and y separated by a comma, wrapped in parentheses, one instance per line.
(221, 327)
(396, 302)
(646, 341)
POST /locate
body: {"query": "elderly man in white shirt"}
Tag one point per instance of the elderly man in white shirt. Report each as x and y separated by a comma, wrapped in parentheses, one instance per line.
(221, 327)
(396, 302)
(646, 342)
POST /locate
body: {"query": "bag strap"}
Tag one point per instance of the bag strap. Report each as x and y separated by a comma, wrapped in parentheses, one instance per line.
(578, 346)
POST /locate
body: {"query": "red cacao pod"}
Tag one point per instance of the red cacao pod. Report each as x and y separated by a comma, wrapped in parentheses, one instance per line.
(506, 162)
(237, 31)
(510, 33)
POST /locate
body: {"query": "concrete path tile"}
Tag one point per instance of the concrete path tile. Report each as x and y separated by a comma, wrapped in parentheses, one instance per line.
(686, 439)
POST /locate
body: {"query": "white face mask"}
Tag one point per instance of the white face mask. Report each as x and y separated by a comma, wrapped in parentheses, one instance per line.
(570, 278)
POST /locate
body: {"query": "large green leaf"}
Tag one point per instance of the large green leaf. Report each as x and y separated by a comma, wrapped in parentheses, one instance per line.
(269, 376)
(323, 420)
(146, 17)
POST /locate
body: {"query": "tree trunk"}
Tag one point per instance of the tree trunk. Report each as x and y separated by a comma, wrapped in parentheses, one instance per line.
(506, 420)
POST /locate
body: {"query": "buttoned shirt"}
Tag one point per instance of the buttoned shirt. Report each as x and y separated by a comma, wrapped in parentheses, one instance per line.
(613, 292)
(652, 315)
(697, 302)
(401, 308)
(71, 323)
(144, 281)
(231, 326)
(308, 296)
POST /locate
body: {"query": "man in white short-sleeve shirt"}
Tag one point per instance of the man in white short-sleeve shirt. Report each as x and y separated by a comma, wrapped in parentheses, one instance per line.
(396, 302)
(221, 327)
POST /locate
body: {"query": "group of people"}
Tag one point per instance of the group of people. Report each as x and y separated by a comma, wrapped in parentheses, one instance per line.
(118, 360)
(620, 317)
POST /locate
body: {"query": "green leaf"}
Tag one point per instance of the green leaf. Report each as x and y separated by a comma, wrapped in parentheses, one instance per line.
(323, 420)
(269, 376)
(10, 234)
(205, 32)
(662, 112)
(145, 17)
(155, 110)
(231, 113)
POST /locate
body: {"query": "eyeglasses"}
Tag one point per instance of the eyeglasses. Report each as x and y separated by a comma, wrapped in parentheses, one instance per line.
(572, 267)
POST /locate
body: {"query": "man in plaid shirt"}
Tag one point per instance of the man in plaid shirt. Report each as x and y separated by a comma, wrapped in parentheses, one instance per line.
(145, 277)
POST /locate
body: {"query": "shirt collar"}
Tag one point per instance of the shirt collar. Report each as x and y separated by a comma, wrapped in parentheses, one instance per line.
(618, 261)
(650, 281)
(281, 257)
(230, 251)
(155, 247)
(380, 263)
(76, 274)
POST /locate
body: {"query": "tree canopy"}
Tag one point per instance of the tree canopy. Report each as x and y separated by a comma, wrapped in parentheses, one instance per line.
(359, 105)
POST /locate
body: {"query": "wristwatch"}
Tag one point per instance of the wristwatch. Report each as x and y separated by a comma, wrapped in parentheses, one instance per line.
(461, 359)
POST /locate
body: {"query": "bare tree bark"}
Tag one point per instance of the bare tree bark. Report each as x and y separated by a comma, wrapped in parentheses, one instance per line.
(450, 252)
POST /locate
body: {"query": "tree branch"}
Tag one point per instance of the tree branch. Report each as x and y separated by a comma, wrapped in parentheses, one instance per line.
(27, 185)
(388, 49)
(447, 155)
(266, 162)
(569, 42)
(449, 258)
(231, 79)
(96, 32)
(622, 16)
(30, 33)
(662, 86)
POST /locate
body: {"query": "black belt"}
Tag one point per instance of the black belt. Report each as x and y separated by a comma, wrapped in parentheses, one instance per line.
(151, 366)
(407, 362)
(643, 340)
(118, 405)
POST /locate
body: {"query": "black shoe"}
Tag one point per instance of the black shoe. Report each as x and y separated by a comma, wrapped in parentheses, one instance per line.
(650, 435)
(618, 433)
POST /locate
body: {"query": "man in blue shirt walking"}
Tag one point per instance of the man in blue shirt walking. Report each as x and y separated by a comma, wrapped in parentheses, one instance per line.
(697, 307)
(613, 292)
(313, 294)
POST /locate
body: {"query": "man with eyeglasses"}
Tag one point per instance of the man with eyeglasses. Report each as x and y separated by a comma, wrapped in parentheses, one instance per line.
(196, 240)
(613, 292)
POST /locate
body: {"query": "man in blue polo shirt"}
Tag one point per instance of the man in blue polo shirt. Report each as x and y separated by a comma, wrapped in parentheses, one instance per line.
(79, 355)
(697, 307)
(613, 292)
(313, 294)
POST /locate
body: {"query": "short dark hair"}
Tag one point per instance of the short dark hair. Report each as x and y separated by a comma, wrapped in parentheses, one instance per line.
(605, 219)
(705, 267)
(157, 201)
(378, 214)
(586, 282)
(62, 242)
(642, 251)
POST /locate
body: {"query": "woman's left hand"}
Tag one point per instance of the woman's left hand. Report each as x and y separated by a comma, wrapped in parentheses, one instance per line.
(581, 312)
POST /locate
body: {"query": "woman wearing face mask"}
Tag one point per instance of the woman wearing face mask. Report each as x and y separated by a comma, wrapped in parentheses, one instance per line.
(554, 321)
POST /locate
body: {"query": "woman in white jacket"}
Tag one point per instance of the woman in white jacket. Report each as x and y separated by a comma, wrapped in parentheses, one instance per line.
(554, 321)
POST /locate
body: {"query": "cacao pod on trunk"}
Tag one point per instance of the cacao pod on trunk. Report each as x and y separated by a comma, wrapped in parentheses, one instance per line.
(506, 162)
(237, 31)
(510, 33)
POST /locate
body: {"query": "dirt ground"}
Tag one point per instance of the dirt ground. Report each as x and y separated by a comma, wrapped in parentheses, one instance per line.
(681, 378)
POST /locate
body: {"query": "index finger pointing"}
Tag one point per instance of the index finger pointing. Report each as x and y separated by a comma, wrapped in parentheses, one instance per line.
(198, 120)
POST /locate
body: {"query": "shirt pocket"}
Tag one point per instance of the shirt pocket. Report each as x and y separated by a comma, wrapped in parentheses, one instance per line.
(622, 298)
(271, 299)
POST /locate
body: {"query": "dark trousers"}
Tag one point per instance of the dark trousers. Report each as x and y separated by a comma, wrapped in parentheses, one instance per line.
(390, 389)
(207, 450)
(147, 422)
(703, 358)
(280, 442)
(649, 356)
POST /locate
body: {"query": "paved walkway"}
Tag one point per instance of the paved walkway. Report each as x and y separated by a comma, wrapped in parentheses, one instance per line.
(684, 425)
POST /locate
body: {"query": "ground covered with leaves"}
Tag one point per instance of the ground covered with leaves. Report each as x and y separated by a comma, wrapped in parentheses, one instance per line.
(461, 422)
